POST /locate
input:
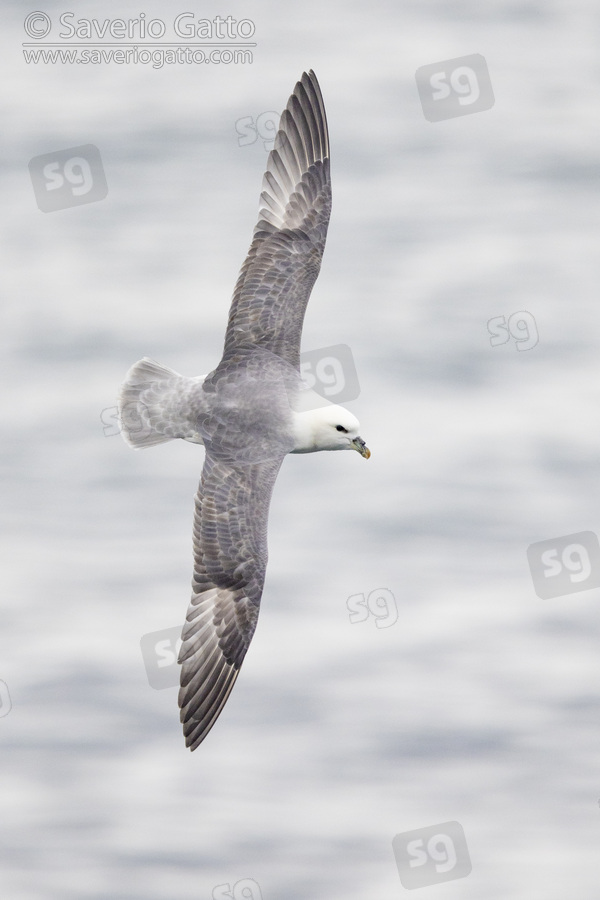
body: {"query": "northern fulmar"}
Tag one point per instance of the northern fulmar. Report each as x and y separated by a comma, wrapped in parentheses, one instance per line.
(250, 412)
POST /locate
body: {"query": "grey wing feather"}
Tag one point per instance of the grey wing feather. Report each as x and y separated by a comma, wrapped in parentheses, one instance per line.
(230, 556)
(284, 259)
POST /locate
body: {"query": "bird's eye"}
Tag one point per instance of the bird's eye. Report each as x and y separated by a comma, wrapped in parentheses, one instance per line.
(341, 428)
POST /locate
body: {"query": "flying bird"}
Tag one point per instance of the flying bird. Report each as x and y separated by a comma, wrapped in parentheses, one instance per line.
(250, 412)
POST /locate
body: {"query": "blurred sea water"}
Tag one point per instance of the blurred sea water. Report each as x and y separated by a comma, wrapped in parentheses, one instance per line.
(481, 703)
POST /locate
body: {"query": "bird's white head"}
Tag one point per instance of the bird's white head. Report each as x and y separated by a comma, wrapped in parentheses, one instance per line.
(327, 428)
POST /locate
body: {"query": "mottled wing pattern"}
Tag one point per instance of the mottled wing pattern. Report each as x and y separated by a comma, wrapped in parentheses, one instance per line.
(230, 555)
(284, 259)
(266, 316)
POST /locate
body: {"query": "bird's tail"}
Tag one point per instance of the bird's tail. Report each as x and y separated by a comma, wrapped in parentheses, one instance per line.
(154, 405)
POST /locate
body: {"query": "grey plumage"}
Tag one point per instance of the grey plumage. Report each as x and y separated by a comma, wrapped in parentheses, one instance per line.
(243, 412)
(266, 315)
(270, 297)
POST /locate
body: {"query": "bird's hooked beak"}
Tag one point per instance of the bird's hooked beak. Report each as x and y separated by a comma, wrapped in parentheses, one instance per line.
(359, 444)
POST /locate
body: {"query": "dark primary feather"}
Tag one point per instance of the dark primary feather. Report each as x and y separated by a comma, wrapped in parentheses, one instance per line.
(284, 259)
(263, 335)
(230, 554)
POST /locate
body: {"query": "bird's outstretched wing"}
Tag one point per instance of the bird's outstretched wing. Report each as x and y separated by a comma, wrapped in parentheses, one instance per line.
(230, 556)
(284, 259)
(232, 504)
